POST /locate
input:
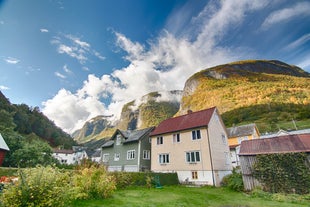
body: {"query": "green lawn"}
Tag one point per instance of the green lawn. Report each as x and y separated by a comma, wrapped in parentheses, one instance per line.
(184, 196)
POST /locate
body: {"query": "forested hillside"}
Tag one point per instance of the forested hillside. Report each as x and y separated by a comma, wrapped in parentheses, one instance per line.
(268, 93)
(29, 134)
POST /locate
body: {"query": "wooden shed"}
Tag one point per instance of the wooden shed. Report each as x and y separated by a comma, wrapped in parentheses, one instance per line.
(3, 149)
(280, 144)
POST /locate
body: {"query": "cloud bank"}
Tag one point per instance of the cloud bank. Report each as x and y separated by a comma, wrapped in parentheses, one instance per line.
(165, 63)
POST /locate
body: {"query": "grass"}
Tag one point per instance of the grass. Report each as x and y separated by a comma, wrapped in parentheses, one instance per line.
(172, 196)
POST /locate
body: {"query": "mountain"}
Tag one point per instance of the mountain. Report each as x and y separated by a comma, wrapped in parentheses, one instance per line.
(260, 91)
(144, 112)
(30, 121)
(92, 128)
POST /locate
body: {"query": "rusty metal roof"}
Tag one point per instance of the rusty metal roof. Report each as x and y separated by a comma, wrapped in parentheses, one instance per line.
(187, 121)
(280, 144)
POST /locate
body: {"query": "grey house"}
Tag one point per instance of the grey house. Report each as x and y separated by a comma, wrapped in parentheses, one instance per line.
(128, 151)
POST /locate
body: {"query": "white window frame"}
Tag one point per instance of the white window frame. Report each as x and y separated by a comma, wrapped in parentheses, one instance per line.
(117, 156)
(105, 157)
(118, 139)
(176, 138)
(146, 154)
(193, 156)
(196, 134)
(131, 154)
(164, 158)
(160, 140)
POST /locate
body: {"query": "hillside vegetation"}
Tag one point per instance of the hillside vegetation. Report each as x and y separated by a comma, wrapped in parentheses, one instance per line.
(29, 135)
(264, 92)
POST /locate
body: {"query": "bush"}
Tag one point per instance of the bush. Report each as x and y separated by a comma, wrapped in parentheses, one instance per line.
(125, 179)
(233, 181)
(93, 183)
(40, 186)
(283, 173)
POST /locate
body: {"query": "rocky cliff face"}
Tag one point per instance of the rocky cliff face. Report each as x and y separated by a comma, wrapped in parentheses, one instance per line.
(246, 83)
(92, 128)
(147, 111)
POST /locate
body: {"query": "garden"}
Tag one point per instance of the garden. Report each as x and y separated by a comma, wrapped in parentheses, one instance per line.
(92, 186)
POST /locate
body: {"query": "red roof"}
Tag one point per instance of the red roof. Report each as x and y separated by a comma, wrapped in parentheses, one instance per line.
(187, 121)
(280, 144)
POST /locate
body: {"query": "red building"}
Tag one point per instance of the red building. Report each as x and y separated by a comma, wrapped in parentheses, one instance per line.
(3, 149)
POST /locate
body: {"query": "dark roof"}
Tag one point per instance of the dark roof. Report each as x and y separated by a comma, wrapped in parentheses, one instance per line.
(136, 135)
(129, 135)
(187, 121)
(63, 151)
(108, 143)
(281, 144)
(238, 131)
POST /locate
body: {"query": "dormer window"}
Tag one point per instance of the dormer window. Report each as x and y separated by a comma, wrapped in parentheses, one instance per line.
(118, 139)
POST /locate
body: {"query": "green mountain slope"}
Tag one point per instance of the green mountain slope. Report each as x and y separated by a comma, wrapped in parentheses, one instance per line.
(27, 121)
(265, 92)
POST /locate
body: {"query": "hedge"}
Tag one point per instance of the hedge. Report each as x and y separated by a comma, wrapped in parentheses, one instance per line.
(284, 173)
(125, 179)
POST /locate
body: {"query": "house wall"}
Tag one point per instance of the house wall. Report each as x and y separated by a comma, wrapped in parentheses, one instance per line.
(145, 144)
(123, 164)
(177, 154)
(237, 140)
(2, 156)
(65, 158)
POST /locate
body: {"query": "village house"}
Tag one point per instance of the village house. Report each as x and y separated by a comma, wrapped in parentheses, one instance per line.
(70, 157)
(3, 149)
(280, 144)
(236, 135)
(193, 145)
(128, 151)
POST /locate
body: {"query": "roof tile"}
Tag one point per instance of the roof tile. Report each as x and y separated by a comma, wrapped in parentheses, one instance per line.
(187, 121)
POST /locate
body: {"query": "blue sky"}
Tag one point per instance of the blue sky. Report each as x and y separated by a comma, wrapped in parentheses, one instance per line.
(79, 59)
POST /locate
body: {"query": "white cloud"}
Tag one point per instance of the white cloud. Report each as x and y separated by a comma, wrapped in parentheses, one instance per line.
(299, 9)
(66, 69)
(164, 64)
(4, 87)
(43, 30)
(302, 40)
(75, 48)
(11, 60)
(58, 74)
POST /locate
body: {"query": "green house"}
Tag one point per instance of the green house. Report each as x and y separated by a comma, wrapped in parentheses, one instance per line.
(128, 151)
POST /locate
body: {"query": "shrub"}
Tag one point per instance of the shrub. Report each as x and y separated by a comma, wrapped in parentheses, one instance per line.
(125, 179)
(283, 173)
(40, 186)
(233, 181)
(93, 183)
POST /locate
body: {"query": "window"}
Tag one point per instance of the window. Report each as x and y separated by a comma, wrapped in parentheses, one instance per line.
(118, 139)
(224, 139)
(160, 140)
(105, 157)
(194, 175)
(193, 156)
(176, 138)
(164, 158)
(131, 154)
(196, 134)
(117, 156)
(146, 154)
